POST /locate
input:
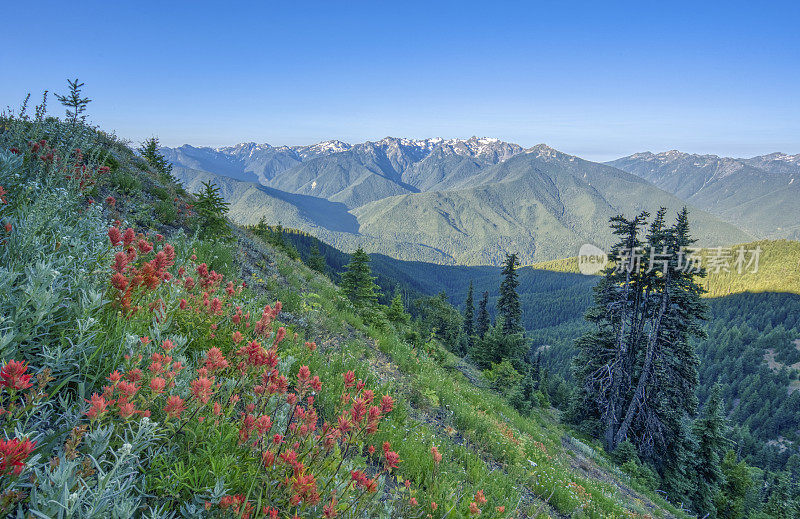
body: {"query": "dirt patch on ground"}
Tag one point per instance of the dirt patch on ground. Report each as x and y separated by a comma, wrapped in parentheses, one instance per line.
(775, 366)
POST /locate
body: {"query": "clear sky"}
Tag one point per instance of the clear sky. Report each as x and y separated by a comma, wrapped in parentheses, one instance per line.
(598, 79)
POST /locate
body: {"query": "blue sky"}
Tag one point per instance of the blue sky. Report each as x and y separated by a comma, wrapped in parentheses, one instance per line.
(595, 79)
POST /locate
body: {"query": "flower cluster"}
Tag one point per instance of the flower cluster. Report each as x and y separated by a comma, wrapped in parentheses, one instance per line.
(138, 268)
(13, 454)
(239, 383)
(139, 391)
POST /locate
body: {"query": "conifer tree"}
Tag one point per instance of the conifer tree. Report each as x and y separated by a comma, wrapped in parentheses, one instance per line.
(357, 282)
(497, 346)
(156, 160)
(637, 370)
(781, 504)
(315, 259)
(709, 430)
(211, 209)
(483, 323)
(508, 306)
(729, 501)
(469, 318)
(74, 102)
(397, 310)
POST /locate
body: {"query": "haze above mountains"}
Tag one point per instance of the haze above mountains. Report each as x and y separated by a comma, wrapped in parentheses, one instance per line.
(469, 201)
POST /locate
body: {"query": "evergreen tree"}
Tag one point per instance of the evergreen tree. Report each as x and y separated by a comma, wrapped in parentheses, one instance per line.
(150, 152)
(442, 320)
(508, 306)
(484, 321)
(357, 282)
(730, 499)
(781, 503)
(397, 311)
(496, 346)
(211, 209)
(636, 369)
(709, 430)
(315, 259)
(469, 318)
(74, 102)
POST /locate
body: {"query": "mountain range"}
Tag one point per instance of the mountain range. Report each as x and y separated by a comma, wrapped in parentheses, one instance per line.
(469, 201)
(761, 195)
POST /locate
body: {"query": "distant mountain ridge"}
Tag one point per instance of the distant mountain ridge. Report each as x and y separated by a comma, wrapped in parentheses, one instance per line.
(445, 201)
(759, 194)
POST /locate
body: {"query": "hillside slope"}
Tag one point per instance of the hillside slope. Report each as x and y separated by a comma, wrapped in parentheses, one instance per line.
(151, 382)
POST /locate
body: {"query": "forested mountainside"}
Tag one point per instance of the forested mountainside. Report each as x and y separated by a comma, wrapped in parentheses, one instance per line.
(758, 194)
(159, 361)
(753, 328)
(541, 203)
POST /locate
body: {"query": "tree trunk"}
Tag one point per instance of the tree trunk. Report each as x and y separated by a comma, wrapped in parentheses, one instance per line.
(638, 395)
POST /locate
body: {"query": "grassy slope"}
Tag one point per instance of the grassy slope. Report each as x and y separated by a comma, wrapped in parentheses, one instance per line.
(778, 269)
(487, 439)
(520, 462)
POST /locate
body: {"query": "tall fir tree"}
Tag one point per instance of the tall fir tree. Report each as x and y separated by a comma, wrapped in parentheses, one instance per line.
(782, 503)
(636, 369)
(397, 310)
(484, 321)
(497, 346)
(315, 259)
(508, 306)
(357, 282)
(150, 152)
(730, 498)
(709, 430)
(211, 209)
(469, 318)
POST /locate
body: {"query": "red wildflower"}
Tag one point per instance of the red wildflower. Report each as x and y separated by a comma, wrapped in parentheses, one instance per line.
(126, 410)
(387, 404)
(99, 406)
(480, 498)
(144, 246)
(263, 424)
(129, 236)
(215, 359)
(157, 384)
(437, 457)
(13, 454)
(3, 194)
(110, 200)
(174, 407)
(329, 510)
(392, 460)
(202, 389)
(8, 227)
(349, 379)
(13, 376)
